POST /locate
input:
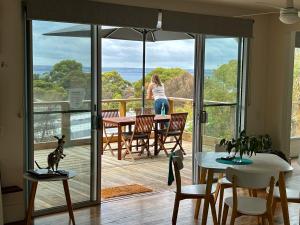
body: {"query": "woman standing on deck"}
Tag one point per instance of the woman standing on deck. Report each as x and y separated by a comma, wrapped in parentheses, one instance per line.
(156, 91)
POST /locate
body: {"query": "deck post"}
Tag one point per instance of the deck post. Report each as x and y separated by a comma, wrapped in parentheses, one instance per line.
(66, 122)
(171, 105)
(122, 108)
(233, 119)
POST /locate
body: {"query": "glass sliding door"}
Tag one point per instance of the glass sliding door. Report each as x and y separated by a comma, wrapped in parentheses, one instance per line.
(221, 89)
(173, 62)
(62, 104)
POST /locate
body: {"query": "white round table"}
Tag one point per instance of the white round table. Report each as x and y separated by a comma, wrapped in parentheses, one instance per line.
(34, 182)
(261, 161)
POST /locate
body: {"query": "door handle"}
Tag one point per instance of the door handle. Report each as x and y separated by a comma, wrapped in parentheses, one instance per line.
(97, 122)
(203, 117)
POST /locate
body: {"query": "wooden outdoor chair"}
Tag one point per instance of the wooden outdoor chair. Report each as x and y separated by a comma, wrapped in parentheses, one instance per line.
(141, 134)
(175, 130)
(197, 191)
(109, 113)
(147, 111)
(251, 206)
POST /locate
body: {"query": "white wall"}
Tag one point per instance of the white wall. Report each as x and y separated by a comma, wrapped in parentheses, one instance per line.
(11, 105)
(280, 82)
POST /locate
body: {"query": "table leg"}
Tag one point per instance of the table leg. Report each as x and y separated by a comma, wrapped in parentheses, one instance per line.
(155, 139)
(283, 199)
(207, 196)
(31, 202)
(68, 199)
(119, 143)
(198, 202)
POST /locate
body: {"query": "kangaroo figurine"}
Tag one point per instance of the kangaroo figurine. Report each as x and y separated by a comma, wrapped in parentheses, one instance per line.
(55, 156)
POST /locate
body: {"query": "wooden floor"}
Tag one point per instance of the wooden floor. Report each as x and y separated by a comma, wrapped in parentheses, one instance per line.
(149, 210)
(156, 209)
(150, 172)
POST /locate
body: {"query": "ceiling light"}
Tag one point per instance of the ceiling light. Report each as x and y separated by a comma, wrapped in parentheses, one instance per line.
(289, 16)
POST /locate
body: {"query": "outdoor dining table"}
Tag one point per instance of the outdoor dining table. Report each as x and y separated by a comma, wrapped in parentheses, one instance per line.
(129, 121)
(261, 162)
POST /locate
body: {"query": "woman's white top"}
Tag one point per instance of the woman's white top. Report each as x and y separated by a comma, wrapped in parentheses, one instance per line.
(158, 92)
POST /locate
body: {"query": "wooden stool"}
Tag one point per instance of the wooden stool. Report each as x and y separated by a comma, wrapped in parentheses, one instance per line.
(34, 182)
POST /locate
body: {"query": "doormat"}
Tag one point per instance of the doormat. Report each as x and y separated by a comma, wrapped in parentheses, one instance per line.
(123, 191)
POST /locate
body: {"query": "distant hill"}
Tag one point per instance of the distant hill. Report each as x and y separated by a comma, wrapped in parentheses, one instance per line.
(129, 74)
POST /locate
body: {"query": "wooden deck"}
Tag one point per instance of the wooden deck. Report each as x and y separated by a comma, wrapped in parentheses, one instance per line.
(150, 172)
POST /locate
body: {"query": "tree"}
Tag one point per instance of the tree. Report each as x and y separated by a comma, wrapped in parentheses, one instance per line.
(164, 74)
(221, 86)
(296, 95)
(114, 86)
(64, 75)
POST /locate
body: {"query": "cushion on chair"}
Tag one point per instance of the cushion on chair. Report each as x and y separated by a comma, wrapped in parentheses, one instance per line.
(248, 205)
(198, 189)
(291, 194)
(224, 180)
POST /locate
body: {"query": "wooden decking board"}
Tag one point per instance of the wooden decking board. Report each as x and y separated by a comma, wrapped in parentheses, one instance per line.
(150, 172)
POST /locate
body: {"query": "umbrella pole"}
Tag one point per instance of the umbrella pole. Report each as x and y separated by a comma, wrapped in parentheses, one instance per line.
(144, 69)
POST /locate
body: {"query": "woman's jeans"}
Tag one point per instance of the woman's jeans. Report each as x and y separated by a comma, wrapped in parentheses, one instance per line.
(157, 107)
(158, 104)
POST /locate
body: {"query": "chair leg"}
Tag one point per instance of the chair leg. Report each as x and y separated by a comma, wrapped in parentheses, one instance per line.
(197, 208)
(233, 216)
(250, 192)
(232, 220)
(263, 220)
(220, 203)
(148, 147)
(270, 218)
(213, 210)
(225, 213)
(127, 150)
(175, 210)
(274, 205)
(180, 144)
(162, 141)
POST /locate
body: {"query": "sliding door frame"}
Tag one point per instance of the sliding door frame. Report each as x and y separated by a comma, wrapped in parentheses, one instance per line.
(95, 163)
(199, 111)
(198, 102)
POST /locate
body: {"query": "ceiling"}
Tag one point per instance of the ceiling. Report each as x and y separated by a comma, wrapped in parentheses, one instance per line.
(248, 4)
(212, 7)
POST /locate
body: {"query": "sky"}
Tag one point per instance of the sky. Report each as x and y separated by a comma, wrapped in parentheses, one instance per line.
(48, 50)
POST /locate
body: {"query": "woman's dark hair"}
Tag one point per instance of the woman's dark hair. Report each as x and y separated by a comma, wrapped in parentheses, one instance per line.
(156, 79)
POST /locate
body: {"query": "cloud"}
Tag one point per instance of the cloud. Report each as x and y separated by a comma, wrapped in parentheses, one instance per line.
(48, 50)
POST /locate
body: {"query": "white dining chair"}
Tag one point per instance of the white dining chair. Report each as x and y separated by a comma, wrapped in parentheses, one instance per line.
(189, 191)
(293, 195)
(222, 184)
(251, 206)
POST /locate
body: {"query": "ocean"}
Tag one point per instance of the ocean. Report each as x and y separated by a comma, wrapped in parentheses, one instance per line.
(129, 74)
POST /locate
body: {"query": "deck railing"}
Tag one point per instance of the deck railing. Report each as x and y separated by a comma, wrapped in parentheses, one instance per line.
(57, 117)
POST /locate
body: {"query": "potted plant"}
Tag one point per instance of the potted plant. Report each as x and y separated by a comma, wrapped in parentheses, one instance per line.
(245, 144)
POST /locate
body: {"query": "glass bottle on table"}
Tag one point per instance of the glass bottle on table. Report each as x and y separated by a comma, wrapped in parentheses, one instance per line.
(163, 110)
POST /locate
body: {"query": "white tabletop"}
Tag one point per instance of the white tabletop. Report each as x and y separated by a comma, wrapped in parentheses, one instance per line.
(30, 177)
(261, 161)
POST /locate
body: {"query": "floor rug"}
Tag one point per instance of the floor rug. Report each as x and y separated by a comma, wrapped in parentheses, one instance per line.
(123, 191)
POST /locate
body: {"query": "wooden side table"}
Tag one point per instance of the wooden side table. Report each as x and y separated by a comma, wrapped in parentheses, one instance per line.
(34, 182)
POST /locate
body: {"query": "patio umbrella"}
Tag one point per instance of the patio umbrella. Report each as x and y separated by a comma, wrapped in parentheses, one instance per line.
(125, 33)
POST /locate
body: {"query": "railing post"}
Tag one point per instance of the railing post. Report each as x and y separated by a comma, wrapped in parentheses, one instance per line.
(122, 108)
(233, 119)
(66, 122)
(171, 106)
